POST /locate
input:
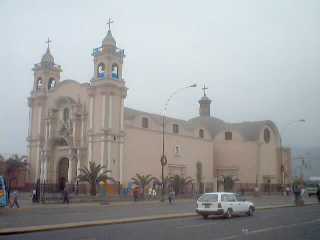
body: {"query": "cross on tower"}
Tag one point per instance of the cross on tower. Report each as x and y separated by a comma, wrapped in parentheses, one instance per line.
(48, 42)
(109, 23)
(204, 89)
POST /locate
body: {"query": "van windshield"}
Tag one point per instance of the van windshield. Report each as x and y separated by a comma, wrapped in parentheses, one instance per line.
(208, 198)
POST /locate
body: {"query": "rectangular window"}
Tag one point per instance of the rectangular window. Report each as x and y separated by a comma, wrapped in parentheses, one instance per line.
(209, 198)
(145, 122)
(175, 128)
(177, 150)
(201, 133)
(228, 135)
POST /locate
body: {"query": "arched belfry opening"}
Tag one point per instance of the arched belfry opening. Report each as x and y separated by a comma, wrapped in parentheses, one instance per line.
(63, 168)
(115, 71)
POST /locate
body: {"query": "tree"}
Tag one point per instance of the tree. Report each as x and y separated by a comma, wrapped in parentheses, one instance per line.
(199, 176)
(179, 183)
(142, 181)
(93, 175)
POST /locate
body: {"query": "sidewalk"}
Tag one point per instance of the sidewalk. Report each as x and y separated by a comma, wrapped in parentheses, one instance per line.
(53, 214)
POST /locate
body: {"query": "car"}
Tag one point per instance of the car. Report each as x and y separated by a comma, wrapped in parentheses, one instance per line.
(223, 204)
(311, 189)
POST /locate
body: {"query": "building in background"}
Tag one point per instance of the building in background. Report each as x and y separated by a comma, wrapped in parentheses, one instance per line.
(72, 123)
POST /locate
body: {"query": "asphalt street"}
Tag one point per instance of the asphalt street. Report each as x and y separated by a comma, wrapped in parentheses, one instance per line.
(52, 214)
(282, 223)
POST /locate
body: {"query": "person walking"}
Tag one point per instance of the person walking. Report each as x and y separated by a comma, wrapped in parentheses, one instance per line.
(14, 200)
(154, 193)
(65, 195)
(34, 198)
(171, 196)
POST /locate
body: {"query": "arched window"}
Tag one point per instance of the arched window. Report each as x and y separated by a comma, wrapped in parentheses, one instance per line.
(115, 73)
(66, 115)
(145, 122)
(201, 133)
(39, 84)
(266, 135)
(101, 71)
(51, 83)
(175, 128)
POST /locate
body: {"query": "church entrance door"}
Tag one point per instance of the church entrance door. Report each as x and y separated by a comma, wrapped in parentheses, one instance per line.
(63, 168)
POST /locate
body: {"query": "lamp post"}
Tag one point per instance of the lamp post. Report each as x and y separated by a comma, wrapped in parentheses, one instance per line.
(282, 163)
(163, 159)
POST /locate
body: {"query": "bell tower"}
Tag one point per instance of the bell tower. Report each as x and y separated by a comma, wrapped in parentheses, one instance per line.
(46, 73)
(204, 110)
(46, 76)
(106, 96)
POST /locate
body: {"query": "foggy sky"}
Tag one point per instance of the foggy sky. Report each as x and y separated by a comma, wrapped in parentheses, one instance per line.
(260, 59)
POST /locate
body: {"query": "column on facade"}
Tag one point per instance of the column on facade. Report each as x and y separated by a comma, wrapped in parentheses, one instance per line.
(121, 140)
(38, 134)
(103, 123)
(91, 110)
(258, 163)
(110, 127)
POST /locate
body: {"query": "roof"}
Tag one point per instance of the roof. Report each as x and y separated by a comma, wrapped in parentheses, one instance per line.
(109, 39)
(47, 57)
(250, 131)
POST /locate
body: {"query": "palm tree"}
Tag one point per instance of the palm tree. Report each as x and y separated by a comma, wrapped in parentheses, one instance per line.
(179, 183)
(95, 173)
(142, 181)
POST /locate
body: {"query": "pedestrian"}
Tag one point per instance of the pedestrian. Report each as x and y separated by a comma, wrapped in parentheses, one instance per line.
(34, 198)
(14, 200)
(171, 196)
(65, 195)
(135, 194)
(297, 193)
(287, 190)
(149, 193)
(154, 193)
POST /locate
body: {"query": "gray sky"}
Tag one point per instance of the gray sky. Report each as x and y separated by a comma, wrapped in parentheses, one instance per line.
(260, 59)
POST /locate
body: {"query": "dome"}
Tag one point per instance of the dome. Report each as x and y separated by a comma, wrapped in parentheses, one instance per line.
(205, 99)
(47, 57)
(109, 40)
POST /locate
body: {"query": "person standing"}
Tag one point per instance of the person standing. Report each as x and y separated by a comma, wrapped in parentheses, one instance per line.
(14, 200)
(135, 194)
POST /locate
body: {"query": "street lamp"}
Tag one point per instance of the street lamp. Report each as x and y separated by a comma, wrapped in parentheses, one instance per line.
(282, 163)
(163, 159)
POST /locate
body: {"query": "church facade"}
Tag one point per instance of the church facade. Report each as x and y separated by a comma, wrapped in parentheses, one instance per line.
(73, 123)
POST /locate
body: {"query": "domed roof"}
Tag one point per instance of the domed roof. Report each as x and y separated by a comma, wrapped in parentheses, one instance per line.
(109, 40)
(205, 99)
(47, 57)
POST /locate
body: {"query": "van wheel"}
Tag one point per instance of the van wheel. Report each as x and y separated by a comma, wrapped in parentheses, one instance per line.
(205, 216)
(250, 211)
(229, 213)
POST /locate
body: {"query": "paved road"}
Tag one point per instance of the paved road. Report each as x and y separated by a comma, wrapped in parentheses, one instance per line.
(281, 223)
(57, 214)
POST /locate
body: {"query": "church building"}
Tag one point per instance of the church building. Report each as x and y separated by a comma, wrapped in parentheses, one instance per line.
(73, 123)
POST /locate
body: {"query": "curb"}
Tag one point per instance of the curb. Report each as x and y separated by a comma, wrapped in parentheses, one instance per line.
(41, 228)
